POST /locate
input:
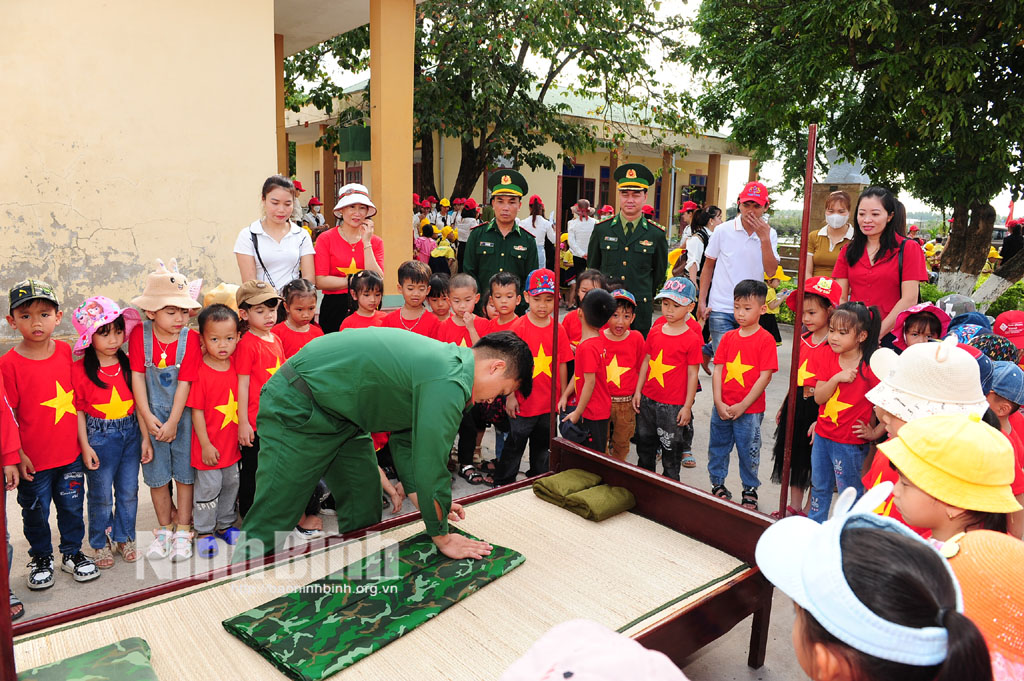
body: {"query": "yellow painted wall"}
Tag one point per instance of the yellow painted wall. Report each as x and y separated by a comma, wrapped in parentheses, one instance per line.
(306, 157)
(139, 130)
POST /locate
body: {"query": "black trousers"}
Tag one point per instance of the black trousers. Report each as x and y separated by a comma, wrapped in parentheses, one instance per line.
(532, 430)
(334, 309)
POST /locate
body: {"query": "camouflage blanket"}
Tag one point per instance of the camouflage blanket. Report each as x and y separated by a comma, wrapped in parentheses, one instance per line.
(336, 621)
(126, 660)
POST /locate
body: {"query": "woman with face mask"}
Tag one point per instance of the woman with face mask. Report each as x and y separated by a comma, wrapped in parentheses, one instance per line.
(824, 245)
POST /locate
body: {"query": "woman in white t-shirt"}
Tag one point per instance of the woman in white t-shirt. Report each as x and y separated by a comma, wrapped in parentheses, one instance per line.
(274, 249)
(540, 227)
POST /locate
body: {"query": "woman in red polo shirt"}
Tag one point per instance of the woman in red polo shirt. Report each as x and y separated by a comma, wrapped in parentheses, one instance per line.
(345, 250)
(879, 267)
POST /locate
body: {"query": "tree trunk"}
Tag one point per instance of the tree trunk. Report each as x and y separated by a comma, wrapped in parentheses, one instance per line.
(427, 185)
(471, 167)
(1008, 273)
(967, 250)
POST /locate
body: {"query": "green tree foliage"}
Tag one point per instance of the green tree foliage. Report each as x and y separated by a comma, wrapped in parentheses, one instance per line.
(487, 72)
(925, 94)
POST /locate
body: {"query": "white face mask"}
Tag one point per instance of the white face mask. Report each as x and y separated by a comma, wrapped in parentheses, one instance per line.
(316, 209)
(836, 220)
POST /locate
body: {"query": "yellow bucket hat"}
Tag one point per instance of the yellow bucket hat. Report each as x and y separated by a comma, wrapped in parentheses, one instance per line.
(958, 460)
(993, 253)
(779, 274)
(673, 256)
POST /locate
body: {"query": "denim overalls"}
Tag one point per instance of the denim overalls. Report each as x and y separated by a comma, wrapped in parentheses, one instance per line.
(170, 459)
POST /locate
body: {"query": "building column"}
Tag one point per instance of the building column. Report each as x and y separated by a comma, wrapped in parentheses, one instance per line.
(666, 190)
(714, 179)
(754, 168)
(613, 164)
(282, 136)
(392, 41)
(326, 165)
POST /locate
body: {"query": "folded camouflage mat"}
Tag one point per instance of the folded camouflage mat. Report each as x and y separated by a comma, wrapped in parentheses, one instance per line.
(555, 488)
(600, 502)
(126, 660)
(336, 621)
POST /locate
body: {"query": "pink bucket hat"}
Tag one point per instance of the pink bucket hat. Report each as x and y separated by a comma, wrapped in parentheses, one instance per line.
(901, 320)
(97, 312)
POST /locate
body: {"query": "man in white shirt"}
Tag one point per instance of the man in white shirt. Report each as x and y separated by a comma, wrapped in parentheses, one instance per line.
(747, 247)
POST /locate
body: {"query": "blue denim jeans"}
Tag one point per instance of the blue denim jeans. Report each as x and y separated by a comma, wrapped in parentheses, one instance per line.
(833, 464)
(113, 492)
(745, 433)
(64, 486)
(720, 324)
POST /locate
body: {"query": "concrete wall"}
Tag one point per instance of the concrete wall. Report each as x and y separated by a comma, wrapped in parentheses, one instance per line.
(132, 131)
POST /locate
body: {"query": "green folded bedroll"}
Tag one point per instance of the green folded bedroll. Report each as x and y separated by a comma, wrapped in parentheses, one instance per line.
(126, 660)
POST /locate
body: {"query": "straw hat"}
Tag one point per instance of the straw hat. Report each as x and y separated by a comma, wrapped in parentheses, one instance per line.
(352, 194)
(223, 294)
(165, 288)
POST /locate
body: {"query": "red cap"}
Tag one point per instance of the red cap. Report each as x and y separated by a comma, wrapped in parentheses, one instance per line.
(415, 198)
(315, 202)
(914, 228)
(471, 203)
(534, 199)
(826, 287)
(458, 202)
(606, 209)
(647, 210)
(1010, 325)
(431, 199)
(688, 206)
(756, 192)
(298, 187)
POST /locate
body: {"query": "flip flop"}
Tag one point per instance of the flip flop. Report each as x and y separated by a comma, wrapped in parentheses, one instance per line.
(689, 461)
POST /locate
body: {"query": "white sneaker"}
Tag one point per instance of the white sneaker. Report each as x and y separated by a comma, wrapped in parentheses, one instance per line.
(181, 546)
(161, 545)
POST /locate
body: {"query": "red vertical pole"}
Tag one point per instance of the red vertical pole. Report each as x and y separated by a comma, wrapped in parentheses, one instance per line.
(6, 627)
(798, 308)
(556, 267)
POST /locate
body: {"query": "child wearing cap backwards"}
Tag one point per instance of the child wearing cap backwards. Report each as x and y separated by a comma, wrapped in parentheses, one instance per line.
(438, 298)
(769, 320)
(530, 417)
(919, 324)
(215, 449)
(37, 378)
(872, 599)
(165, 355)
(414, 285)
(744, 363)
(667, 383)
(624, 346)
(821, 295)
(367, 288)
(504, 295)
(299, 300)
(841, 436)
(1005, 399)
(108, 429)
(589, 389)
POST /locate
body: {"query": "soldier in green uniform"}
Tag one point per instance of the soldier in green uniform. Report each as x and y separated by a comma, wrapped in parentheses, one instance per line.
(630, 248)
(318, 410)
(501, 245)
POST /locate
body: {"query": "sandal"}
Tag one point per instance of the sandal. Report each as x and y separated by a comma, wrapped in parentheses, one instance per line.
(17, 607)
(206, 546)
(721, 492)
(129, 552)
(104, 557)
(471, 475)
(689, 461)
(488, 467)
(748, 499)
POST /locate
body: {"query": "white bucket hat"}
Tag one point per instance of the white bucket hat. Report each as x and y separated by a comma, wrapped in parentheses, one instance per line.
(352, 194)
(927, 379)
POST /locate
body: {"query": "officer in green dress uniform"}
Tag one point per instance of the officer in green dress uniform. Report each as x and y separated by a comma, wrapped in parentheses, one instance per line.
(630, 248)
(318, 410)
(501, 245)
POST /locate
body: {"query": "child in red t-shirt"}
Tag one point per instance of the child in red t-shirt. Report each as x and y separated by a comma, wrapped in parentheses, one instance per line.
(504, 295)
(586, 281)
(437, 298)
(745, 360)
(667, 383)
(844, 378)
(108, 429)
(462, 327)
(367, 288)
(298, 328)
(625, 352)
(589, 388)
(37, 378)
(215, 449)
(258, 357)
(530, 417)
(414, 285)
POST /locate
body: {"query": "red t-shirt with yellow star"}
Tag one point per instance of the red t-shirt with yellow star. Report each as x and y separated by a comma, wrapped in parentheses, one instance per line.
(847, 405)
(539, 339)
(358, 321)
(623, 358)
(113, 402)
(671, 357)
(590, 359)
(43, 398)
(743, 359)
(808, 350)
(450, 332)
(426, 325)
(292, 341)
(573, 327)
(189, 363)
(258, 359)
(336, 257)
(494, 325)
(10, 441)
(214, 393)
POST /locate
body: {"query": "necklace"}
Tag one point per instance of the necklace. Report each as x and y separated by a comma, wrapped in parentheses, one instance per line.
(113, 375)
(414, 324)
(163, 349)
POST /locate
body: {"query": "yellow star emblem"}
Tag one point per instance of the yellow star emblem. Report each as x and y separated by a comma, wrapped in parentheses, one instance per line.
(273, 370)
(541, 363)
(802, 374)
(63, 403)
(658, 369)
(834, 406)
(463, 343)
(230, 410)
(116, 408)
(350, 269)
(615, 371)
(735, 370)
(884, 508)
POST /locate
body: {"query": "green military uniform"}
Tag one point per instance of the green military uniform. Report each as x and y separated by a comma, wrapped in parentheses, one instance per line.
(637, 254)
(316, 416)
(489, 252)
